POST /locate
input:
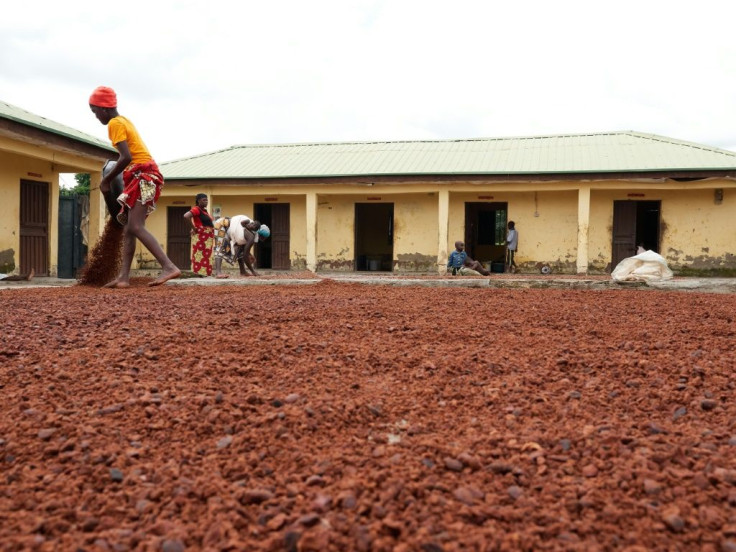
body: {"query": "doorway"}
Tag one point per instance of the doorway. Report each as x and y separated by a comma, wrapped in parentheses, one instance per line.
(374, 236)
(634, 223)
(273, 252)
(34, 227)
(485, 231)
(178, 237)
(72, 249)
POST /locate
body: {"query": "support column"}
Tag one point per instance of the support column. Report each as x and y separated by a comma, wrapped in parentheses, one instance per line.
(311, 231)
(53, 227)
(443, 224)
(583, 229)
(211, 199)
(97, 211)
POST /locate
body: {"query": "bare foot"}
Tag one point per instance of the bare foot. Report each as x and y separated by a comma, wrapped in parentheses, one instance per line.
(222, 276)
(166, 276)
(111, 284)
(30, 276)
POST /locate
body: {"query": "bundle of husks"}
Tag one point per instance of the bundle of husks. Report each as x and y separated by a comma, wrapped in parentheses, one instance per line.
(103, 263)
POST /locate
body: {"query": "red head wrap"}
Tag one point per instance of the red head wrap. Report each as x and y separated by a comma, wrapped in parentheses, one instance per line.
(103, 96)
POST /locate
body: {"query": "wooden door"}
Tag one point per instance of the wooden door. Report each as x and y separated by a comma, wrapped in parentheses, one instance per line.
(34, 227)
(624, 231)
(178, 237)
(280, 236)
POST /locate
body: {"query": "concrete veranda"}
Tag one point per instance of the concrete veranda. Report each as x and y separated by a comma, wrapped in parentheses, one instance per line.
(706, 285)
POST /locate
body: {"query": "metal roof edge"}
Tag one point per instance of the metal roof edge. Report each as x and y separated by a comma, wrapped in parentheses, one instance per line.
(74, 134)
(678, 142)
(459, 173)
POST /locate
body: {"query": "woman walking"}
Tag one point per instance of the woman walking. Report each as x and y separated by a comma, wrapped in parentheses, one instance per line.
(203, 236)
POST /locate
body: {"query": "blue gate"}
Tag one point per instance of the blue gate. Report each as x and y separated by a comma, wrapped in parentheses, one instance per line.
(73, 213)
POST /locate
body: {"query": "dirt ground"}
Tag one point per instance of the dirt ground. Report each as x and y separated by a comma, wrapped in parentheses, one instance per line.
(339, 416)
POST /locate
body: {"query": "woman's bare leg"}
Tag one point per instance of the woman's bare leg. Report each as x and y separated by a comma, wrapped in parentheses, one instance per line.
(123, 279)
(137, 226)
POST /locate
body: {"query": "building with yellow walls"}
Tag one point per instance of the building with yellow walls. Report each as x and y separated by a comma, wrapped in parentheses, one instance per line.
(33, 152)
(581, 203)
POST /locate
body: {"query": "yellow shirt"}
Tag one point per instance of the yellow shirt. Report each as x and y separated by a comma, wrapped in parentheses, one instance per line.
(120, 129)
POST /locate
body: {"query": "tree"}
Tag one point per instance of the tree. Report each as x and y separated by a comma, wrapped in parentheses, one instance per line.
(82, 187)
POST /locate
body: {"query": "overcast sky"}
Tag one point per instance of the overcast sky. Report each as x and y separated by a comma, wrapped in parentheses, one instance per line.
(198, 76)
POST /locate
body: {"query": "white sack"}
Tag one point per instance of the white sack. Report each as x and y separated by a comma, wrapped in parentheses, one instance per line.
(644, 267)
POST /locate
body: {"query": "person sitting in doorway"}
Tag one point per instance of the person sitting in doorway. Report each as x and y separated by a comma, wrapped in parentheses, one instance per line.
(460, 263)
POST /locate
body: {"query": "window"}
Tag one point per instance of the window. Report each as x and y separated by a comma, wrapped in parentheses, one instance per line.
(500, 227)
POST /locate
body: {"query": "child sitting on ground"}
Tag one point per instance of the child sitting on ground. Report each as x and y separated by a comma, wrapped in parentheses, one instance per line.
(461, 264)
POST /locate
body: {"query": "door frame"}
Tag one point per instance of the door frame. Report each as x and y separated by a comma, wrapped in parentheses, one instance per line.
(33, 220)
(175, 240)
(631, 227)
(496, 251)
(273, 253)
(363, 223)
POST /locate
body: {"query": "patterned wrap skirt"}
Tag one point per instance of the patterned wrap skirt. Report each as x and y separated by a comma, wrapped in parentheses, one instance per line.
(143, 183)
(223, 248)
(202, 243)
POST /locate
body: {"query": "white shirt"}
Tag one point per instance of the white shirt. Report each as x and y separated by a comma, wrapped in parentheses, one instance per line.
(513, 239)
(236, 231)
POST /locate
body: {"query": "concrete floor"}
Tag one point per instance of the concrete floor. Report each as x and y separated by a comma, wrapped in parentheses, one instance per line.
(707, 285)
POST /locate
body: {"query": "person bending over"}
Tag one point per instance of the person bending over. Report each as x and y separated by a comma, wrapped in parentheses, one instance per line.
(142, 187)
(235, 239)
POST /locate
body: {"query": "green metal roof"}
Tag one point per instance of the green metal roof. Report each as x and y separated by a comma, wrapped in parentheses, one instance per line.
(13, 113)
(625, 151)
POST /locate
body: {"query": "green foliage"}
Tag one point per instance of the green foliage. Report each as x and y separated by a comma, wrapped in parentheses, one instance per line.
(82, 187)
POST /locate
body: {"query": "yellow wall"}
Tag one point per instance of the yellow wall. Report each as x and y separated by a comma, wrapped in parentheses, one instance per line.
(13, 169)
(696, 232)
(156, 225)
(601, 227)
(297, 233)
(336, 231)
(547, 229)
(10, 176)
(415, 232)
(231, 201)
(22, 160)
(546, 222)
